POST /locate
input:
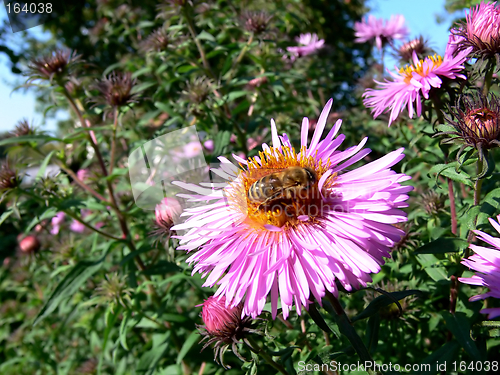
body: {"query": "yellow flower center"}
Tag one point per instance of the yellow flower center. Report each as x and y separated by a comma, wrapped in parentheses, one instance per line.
(408, 70)
(282, 190)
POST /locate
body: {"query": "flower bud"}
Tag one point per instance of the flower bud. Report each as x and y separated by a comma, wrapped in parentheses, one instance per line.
(220, 320)
(166, 211)
(256, 22)
(29, 244)
(57, 65)
(418, 45)
(8, 178)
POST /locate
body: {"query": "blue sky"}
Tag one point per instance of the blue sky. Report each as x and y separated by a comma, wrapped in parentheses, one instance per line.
(420, 16)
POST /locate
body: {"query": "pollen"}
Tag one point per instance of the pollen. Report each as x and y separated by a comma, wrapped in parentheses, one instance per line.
(290, 206)
(423, 67)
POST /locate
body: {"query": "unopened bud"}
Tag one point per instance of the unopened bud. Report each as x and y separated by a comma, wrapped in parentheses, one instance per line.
(29, 244)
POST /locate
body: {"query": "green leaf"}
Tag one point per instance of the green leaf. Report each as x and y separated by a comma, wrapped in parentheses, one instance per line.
(222, 139)
(149, 360)
(431, 266)
(26, 139)
(6, 215)
(205, 36)
(192, 338)
(349, 332)
(461, 177)
(235, 95)
(443, 245)
(123, 329)
(458, 324)
(43, 166)
(383, 301)
(142, 86)
(318, 318)
(69, 285)
(446, 353)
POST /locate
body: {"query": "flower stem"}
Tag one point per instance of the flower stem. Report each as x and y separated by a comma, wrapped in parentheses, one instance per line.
(113, 142)
(254, 347)
(477, 200)
(453, 209)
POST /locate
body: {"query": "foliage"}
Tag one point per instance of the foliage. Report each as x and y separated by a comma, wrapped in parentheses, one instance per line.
(103, 295)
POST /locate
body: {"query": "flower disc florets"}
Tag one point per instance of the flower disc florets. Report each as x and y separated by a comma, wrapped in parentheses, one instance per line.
(321, 224)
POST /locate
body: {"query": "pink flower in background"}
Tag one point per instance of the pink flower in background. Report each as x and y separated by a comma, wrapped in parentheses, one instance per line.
(82, 174)
(209, 145)
(486, 262)
(339, 230)
(309, 43)
(56, 222)
(412, 82)
(76, 226)
(381, 30)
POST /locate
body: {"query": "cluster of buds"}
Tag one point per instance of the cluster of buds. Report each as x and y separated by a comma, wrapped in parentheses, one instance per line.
(224, 327)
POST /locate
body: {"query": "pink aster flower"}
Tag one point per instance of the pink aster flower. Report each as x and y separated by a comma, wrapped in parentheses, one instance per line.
(309, 43)
(332, 224)
(486, 262)
(56, 222)
(481, 31)
(381, 30)
(413, 81)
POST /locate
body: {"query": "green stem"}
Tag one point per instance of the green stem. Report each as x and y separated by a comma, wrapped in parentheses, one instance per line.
(487, 78)
(477, 200)
(113, 142)
(254, 347)
(347, 329)
(239, 58)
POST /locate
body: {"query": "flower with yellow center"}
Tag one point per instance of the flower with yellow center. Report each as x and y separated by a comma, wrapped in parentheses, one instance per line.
(311, 222)
(412, 81)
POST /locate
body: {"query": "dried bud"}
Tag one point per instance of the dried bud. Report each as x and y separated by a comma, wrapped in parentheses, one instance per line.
(29, 244)
(22, 128)
(89, 367)
(57, 65)
(157, 41)
(198, 90)
(418, 45)
(8, 178)
(113, 290)
(224, 326)
(256, 22)
(115, 90)
(433, 202)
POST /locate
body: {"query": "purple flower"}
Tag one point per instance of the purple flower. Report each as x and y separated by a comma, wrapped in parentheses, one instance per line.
(381, 30)
(309, 43)
(76, 226)
(486, 262)
(209, 145)
(412, 81)
(337, 227)
(82, 174)
(56, 222)
(481, 31)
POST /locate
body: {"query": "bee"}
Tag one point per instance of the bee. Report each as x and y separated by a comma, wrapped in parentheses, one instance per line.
(282, 187)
